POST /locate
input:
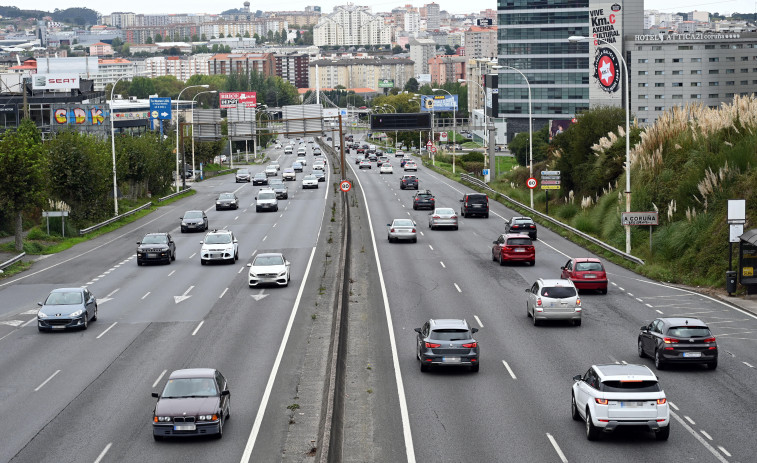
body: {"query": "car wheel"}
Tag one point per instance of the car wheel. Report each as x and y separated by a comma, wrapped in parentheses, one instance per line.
(415, 240)
(659, 363)
(173, 255)
(663, 433)
(430, 226)
(536, 322)
(424, 366)
(486, 216)
(712, 365)
(94, 316)
(494, 258)
(183, 230)
(475, 368)
(462, 213)
(501, 262)
(202, 262)
(415, 208)
(236, 256)
(220, 429)
(528, 312)
(139, 262)
(603, 290)
(218, 208)
(456, 227)
(641, 349)
(86, 321)
(573, 409)
(592, 432)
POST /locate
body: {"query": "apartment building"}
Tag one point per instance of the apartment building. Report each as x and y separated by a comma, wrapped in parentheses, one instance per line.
(422, 50)
(447, 68)
(481, 42)
(293, 67)
(351, 25)
(242, 63)
(182, 67)
(353, 72)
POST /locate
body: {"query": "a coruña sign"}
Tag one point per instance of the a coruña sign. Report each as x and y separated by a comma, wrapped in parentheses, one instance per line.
(639, 218)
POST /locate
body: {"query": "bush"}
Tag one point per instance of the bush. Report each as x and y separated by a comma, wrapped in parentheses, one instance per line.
(473, 156)
(567, 211)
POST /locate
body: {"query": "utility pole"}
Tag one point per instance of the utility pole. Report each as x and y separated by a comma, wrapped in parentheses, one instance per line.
(492, 137)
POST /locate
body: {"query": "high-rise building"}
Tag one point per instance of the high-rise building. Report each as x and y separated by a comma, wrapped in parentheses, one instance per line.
(421, 50)
(293, 67)
(412, 23)
(481, 42)
(447, 68)
(365, 72)
(351, 25)
(433, 16)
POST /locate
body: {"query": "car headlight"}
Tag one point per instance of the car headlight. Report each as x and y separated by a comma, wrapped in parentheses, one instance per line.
(163, 419)
(77, 313)
(218, 202)
(205, 417)
(234, 201)
(41, 314)
(281, 274)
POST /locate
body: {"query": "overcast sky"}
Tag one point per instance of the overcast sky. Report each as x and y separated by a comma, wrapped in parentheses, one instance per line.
(203, 6)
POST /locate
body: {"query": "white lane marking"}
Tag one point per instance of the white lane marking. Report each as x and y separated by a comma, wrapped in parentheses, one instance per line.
(29, 322)
(90, 283)
(108, 271)
(422, 234)
(282, 215)
(274, 225)
(478, 320)
(172, 272)
(403, 205)
(101, 276)
(30, 312)
(106, 330)
(648, 305)
(613, 283)
(689, 419)
(198, 328)
(12, 322)
(750, 366)
(155, 384)
(443, 266)
(673, 406)
(509, 370)
(704, 433)
(638, 299)
(194, 254)
(630, 294)
(430, 247)
(658, 311)
(408, 212)
(458, 288)
(724, 451)
(557, 448)
(253, 253)
(265, 237)
(543, 242)
(624, 362)
(699, 438)
(240, 270)
(102, 454)
(146, 294)
(621, 288)
(47, 380)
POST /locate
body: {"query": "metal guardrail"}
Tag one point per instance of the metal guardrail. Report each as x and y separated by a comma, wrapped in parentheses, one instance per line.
(84, 231)
(174, 194)
(480, 184)
(12, 261)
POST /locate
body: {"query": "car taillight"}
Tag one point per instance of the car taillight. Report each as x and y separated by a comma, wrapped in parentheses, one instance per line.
(670, 340)
(601, 401)
(392, 230)
(413, 230)
(508, 248)
(435, 217)
(533, 226)
(578, 301)
(431, 345)
(709, 340)
(470, 345)
(662, 401)
(538, 301)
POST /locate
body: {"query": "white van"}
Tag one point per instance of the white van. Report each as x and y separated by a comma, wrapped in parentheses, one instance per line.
(288, 149)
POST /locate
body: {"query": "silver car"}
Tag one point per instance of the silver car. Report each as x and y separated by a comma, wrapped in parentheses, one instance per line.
(271, 171)
(553, 300)
(442, 217)
(402, 229)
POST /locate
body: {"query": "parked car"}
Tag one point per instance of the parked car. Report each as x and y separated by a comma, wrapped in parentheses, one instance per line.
(513, 248)
(408, 181)
(269, 268)
(553, 300)
(266, 200)
(194, 221)
(678, 340)
(423, 199)
(227, 201)
(66, 308)
(447, 343)
(442, 217)
(474, 204)
(260, 179)
(585, 273)
(219, 245)
(156, 247)
(243, 175)
(402, 229)
(523, 225)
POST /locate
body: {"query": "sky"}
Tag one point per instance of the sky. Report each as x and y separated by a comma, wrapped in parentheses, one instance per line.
(203, 6)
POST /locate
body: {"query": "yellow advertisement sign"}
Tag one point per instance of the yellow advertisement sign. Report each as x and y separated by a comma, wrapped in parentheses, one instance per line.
(747, 271)
(550, 187)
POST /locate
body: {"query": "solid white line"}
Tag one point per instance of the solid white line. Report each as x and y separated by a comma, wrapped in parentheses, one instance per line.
(193, 254)
(430, 247)
(198, 328)
(658, 311)
(172, 272)
(146, 294)
(29, 322)
(45, 381)
(478, 320)
(458, 288)
(673, 406)
(253, 253)
(113, 292)
(274, 225)
(155, 384)
(509, 370)
(443, 266)
(106, 330)
(699, 438)
(102, 454)
(557, 448)
(422, 234)
(543, 242)
(750, 366)
(704, 433)
(724, 451)
(689, 419)
(223, 293)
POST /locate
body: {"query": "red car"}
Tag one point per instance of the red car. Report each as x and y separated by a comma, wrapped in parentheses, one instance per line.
(586, 273)
(513, 248)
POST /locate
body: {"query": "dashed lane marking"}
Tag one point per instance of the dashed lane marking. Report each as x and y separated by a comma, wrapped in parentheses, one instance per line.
(509, 370)
(443, 266)
(46, 381)
(458, 288)
(146, 294)
(102, 454)
(478, 320)
(557, 448)
(155, 384)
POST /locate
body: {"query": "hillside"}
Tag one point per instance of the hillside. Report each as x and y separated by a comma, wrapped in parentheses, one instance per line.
(77, 16)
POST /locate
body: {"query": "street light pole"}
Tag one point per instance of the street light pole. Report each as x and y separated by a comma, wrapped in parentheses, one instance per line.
(193, 129)
(483, 109)
(578, 38)
(454, 124)
(177, 129)
(113, 145)
(530, 129)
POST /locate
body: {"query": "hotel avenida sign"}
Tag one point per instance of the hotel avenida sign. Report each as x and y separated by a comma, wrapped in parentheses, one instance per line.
(689, 36)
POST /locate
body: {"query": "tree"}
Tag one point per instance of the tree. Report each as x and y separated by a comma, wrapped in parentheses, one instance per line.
(247, 34)
(125, 49)
(397, 49)
(519, 146)
(22, 173)
(158, 38)
(203, 38)
(221, 36)
(142, 87)
(196, 38)
(148, 40)
(412, 85)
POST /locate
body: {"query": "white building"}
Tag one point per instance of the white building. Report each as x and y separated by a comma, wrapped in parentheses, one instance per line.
(110, 70)
(351, 25)
(433, 17)
(180, 67)
(412, 23)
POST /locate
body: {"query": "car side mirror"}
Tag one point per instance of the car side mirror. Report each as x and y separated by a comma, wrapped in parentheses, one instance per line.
(388, 225)
(286, 262)
(201, 242)
(562, 268)
(474, 330)
(644, 328)
(249, 264)
(577, 378)
(39, 304)
(226, 392)
(235, 240)
(255, 197)
(528, 290)
(417, 330)
(461, 200)
(139, 242)
(156, 395)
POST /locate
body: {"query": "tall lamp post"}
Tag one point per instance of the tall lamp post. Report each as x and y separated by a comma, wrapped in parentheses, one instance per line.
(177, 130)
(454, 121)
(394, 110)
(579, 38)
(113, 144)
(483, 107)
(420, 133)
(530, 128)
(193, 129)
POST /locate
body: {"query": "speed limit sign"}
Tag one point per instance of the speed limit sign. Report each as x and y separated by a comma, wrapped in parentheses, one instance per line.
(531, 183)
(345, 186)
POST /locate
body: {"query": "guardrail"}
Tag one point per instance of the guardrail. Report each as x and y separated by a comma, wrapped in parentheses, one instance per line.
(84, 231)
(480, 184)
(12, 261)
(174, 194)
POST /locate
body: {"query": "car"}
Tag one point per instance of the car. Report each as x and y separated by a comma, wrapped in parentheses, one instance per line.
(260, 179)
(371, 148)
(297, 166)
(386, 168)
(66, 308)
(678, 340)
(408, 181)
(271, 171)
(358, 160)
(288, 149)
(319, 164)
(278, 186)
(613, 396)
(361, 149)
(402, 229)
(513, 248)
(316, 151)
(219, 245)
(404, 161)
(156, 247)
(474, 204)
(243, 175)
(302, 161)
(447, 342)
(399, 154)
(553, 299)
(194, 402)
(302, 151)
(442, 217)
(310, 181)
(410, 165)
(586, 273)
(194, 220)
(319, 174)
(289, 174)
(266, 200)
(269, 268)
(524, 225)
(277, 146)
(423, 199)
(227, 201)
(365, 164)
(372, 157)
(275, 163)
(382, 160)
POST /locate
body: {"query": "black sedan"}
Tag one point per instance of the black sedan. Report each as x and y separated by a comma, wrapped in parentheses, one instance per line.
(194, 221)
(678, 340)
(156, 247)
(227, 201)
(447, 342)
(194, 402)
(522, 225)
(260, 179)
(67, 308)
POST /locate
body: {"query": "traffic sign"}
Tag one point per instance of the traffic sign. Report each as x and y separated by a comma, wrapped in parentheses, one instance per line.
(550, 187)
(640, 218)
(550, 177)
(550, 182)
(429, 144)
(550, 172)
(432, 149)
(531, 183)
(345, 186)
(160, 108)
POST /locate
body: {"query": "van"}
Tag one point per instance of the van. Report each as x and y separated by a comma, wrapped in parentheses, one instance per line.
(474, 204)
(288, 149)
(301, 151)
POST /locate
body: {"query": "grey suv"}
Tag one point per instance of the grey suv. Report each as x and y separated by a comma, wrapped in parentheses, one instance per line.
(409, 181)
(423, 199)
(447, 342)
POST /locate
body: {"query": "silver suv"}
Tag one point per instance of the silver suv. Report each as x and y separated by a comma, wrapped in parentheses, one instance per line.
(266, 201)
(553, 300)
(609, 396)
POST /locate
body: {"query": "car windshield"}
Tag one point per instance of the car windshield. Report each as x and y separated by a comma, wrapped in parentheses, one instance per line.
(226, 196)
(476, 199)
(267, 195)
(519, 241)
(243, 171)
(260, 175)
(450, 334)
(589, 267)
(218, 239)
(689, 331)
(190, 387)
(309, 177)
(402, 223)
(445, 211)
(297, 164)
(193, 215)
(276, 181)
(523, 221)
(558, 292)
(154, 239)
(61, 298)
(268, 260)
(629, 386)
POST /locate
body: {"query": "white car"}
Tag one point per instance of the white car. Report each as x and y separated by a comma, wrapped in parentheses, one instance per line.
(269, 268)
(277, 146)
(301, 151)
(266, 200)
(288, 149)
(386, 168)
(310, 181)
(219, 245)
(411, 165)
(319, 165)
(289, 174)
(275, 163)
(271, 171)
(613, 395)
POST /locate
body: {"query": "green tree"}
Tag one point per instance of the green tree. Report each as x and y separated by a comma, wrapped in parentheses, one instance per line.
(412, 85)
(148, 40)
(221, 36)
(203, 38)
(195, 38)
(145, 164)
(247, 34)
(397, 49)
(125, 49)
(142, 87)
(158, 38)
(22, 173)
(519, 146)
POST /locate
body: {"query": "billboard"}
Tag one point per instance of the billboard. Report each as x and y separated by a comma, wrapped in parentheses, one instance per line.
(88, 118)
(401, 121)
(423, 78)
(491, 84)
(438, 103)
(86, 65)
(55, 81)
(606, 24)
(386, 83)
(557, 126)
(230, 100)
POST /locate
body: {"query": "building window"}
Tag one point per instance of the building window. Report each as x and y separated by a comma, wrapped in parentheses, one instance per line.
(744, 70)
(659, 73)
(643, 120)
(713, 95)
(676, 60)
(677, 84)
(643, 60)
(643, 108)
(659, 108)
(729, 95)
(744, 58)
(696, 60)
(643, 84)
(714, 60)
(714, 84)
(730, 58)
(730, 82)
(730, 71)
(659, 84)
(656, 47)
(643, 73)
(677, 73)
(685, 47)
(744, 82)
(659, 97)
(714, 71)
(696, 96)
(696, 84)
(643, 97)
(696, 71)
(659, 60)
(677, 97)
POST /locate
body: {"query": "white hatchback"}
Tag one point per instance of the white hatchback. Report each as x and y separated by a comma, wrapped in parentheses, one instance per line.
(386, 168)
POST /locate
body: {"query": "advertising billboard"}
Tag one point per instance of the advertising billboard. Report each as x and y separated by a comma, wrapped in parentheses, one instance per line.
(401, 121)
(438, 103)
(386, 83)
(55, 81)
(88, 118)
(230, 100)
(75, 65)
(606, 25)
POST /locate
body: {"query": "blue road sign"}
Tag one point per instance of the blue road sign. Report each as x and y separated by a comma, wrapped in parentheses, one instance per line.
(160, 108)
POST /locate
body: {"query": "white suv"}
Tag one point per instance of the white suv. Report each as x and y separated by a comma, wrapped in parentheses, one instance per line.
(266, 201)
(219, 245)
(608, 396)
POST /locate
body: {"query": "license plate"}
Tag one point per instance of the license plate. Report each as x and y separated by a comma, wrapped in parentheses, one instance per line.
(151, 255)
(590, 276)
(692, 354)
(58, 327)
(184, 427)
(519, 250)
(631, 404)
(451, 359)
